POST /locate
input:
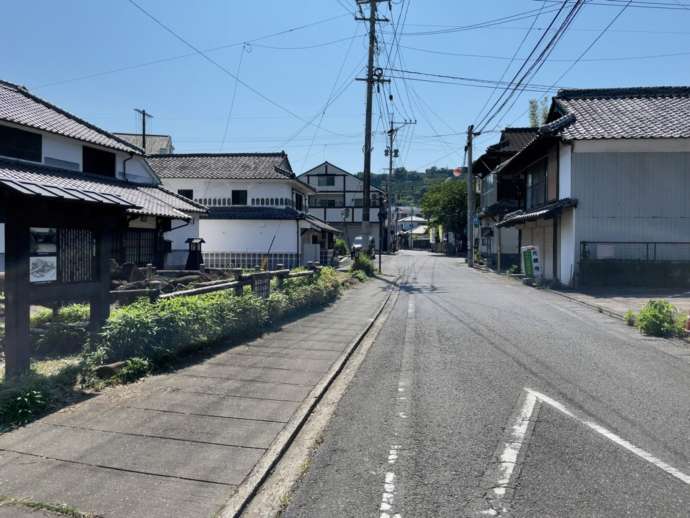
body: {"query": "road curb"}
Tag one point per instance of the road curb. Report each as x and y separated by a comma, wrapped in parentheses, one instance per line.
(249, 487)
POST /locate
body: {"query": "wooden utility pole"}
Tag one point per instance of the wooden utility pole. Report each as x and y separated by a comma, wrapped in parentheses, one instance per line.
(391, 152)
(144, 115)
(470, 199)
(374, 76)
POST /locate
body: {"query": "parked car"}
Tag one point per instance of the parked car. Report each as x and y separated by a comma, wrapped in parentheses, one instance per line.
(363, 244)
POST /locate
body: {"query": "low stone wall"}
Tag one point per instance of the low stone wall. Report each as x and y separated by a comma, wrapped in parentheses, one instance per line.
(619, 272)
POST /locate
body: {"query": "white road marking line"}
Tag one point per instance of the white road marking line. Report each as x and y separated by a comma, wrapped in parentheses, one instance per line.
(511, 451)
(674, 472)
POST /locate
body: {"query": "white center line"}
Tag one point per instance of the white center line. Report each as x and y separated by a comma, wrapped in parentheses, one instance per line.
(511, 450)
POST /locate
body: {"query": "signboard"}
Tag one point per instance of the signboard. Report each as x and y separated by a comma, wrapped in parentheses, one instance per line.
(531, 265)
(43, 255)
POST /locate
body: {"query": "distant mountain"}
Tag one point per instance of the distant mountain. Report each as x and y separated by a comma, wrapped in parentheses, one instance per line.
(408, 187)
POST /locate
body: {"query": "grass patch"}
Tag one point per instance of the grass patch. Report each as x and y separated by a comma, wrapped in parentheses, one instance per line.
(59, 509)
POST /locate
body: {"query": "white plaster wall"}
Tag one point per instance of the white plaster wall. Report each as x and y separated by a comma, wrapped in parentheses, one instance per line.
(181, 234)
(565, 165)
(632, 146)
(70, 150)
(254, 236)
(204, 189)
(566, 268)
(143, 222)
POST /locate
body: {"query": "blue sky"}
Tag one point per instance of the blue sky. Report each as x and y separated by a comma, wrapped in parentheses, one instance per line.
(101, 59)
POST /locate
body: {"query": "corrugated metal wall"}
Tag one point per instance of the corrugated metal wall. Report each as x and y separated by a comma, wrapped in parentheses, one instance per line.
(631, 196)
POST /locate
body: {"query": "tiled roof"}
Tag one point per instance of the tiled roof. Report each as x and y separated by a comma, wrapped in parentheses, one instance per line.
(253, 213)
(174, 200)
(625, 113)
(223, 166)
(19, 106)
(155, 144)
(320, 224)
(513, 140)
(545, 211)
(141, 200)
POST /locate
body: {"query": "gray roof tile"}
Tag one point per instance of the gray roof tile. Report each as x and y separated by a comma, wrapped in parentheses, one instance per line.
(19, 106)
(223, 166)
(155, 144)
(625, 113)
(41, 180)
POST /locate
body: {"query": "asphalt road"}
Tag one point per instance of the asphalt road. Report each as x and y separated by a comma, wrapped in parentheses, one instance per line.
(482, 397)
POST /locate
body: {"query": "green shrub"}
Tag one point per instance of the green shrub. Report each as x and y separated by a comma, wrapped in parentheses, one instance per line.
(133, 369)
(359, 275)
(340, 247)
(630, 317)
(153, 334)
(21, 405)
(661, 318)
(364, 263)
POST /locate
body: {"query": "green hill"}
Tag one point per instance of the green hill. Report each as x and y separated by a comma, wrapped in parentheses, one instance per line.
(408, 187)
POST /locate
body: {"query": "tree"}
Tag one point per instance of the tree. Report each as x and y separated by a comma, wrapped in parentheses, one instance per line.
(445, 203)
(538, 112)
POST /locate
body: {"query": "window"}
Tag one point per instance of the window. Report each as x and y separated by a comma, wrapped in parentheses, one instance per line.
(536, 185)
(96, 161)
(253, 201)
(357, 202)
(239, 197)
(263, 202)
(326, 181)
(21, 144)
(187, 193)
(299, 202)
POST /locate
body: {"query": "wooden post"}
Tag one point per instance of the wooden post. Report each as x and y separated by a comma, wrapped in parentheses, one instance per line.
(498, 255)
(154, 291)
(237, 275)
(17, 304)
(100, 301)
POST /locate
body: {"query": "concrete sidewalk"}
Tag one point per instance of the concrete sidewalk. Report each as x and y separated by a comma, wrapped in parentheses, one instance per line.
(182, 444)
(620, 300)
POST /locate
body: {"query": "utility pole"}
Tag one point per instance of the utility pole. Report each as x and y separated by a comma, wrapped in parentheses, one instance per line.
(144, 115)
(374, 76)
(391, 153)
(470, 199)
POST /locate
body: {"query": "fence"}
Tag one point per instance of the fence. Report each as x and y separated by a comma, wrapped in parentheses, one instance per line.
(249, 260)
(634, 263)
(259, 283)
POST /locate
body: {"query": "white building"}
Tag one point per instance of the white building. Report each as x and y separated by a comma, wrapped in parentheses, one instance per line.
(338, 200)
(410, 223)
(256, 209)
(47, 152)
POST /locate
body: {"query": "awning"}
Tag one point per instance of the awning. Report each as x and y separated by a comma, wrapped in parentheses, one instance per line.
(545, 212)
(65, 193)
(319, 224)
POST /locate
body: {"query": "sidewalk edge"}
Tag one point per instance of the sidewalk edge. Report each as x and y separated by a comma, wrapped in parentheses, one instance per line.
(249, 487)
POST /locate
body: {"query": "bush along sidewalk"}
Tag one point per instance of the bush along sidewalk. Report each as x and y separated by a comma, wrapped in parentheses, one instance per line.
(145, 337)
(659, 318)
(149, 336)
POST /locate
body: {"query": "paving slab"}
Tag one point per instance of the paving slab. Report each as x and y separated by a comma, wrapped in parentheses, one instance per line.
(194, 461)
(272, 362)
(212, 370)
(256, 389)
(218, 405)
(107, 492)
(288, 353)
(224, 431)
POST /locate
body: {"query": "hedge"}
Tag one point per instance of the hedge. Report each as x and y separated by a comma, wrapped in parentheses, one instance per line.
(159, 331)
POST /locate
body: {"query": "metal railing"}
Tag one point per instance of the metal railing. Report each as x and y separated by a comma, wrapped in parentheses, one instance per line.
(635, 251)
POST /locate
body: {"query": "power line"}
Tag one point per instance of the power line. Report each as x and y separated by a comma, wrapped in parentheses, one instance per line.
(512, 60)
(582, 54)
(552, 60)
(244, 50)
(218, 65)
(536, 65)
(190, 54)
